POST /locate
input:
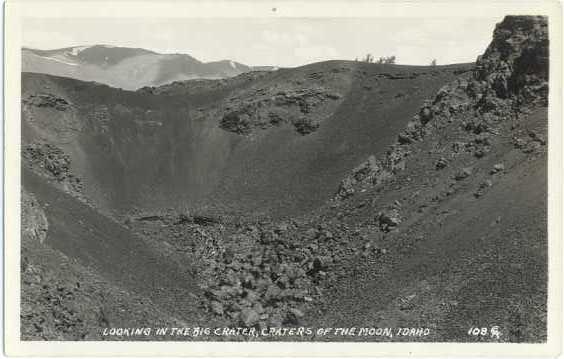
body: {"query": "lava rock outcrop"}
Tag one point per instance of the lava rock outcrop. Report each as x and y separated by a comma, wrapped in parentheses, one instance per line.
(516, 61)
(47, 100)
(303, 108)
(511, 76)
(51, 162)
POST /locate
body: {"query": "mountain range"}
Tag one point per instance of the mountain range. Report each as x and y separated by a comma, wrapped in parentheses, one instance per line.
(127, 68)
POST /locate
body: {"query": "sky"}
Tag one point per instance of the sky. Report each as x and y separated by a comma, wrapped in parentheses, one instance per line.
(284, 42)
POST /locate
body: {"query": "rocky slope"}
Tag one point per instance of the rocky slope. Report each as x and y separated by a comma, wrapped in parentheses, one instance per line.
(403, 218)
(126, 68)
(421, 195)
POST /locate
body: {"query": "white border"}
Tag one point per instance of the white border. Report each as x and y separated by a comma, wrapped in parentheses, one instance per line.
(16, 10)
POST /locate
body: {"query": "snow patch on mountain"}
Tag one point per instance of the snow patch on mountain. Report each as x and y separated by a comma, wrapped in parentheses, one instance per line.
(57, 60)
(77, 50)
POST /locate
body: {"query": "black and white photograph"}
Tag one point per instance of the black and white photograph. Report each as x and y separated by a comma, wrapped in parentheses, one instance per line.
(283, 176)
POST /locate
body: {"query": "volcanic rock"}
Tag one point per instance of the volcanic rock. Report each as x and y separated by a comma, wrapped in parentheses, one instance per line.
(389, 219)
(216, 307)
(463, 173)
(34, 222)
(498, 167)
(516, 61)
(441, 163)
(249, 317)
(48, 100)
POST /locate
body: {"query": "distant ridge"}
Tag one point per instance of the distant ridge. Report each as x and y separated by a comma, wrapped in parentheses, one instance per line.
(127, 68)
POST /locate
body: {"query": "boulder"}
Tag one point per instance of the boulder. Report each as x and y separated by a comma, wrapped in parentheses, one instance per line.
(441, 163)
(389, 219)
(498, 167)
(462, 174)
(425, 114)
(249, 317)
(216, 307)
(294, 316)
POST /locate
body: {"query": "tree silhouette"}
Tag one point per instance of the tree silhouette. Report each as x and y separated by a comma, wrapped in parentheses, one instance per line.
(369, 58)
(386, 60)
